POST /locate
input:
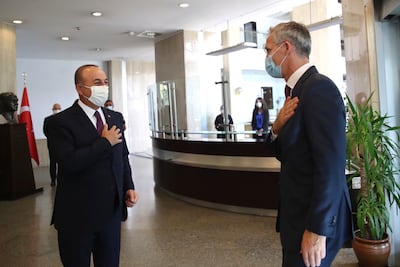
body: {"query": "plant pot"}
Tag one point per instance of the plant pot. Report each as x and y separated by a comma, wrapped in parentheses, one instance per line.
(371, 253)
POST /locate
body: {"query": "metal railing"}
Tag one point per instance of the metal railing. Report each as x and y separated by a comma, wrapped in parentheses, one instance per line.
(231, 135)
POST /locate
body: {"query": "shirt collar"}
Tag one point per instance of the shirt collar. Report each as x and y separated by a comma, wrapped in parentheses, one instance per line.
(294, 78)
(89, 111)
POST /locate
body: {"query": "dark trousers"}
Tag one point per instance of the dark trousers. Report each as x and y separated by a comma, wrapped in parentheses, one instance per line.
(52, 163)
(76, 248)
(53, 168)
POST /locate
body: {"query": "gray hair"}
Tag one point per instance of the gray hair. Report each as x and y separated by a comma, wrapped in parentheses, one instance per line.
(295, 33)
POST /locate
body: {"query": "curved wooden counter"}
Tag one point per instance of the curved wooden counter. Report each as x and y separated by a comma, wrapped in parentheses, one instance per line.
(235, 176)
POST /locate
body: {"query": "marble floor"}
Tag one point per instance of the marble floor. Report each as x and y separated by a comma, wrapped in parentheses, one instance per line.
(160, 231)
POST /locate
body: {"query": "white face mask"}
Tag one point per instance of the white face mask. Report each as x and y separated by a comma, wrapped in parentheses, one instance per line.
(99, 94)
(110, 107)
(272, 69)
(55, 111)
(259, 104)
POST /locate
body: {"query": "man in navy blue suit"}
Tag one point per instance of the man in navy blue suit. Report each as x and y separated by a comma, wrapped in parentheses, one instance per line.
(94, 175)
(308, 136)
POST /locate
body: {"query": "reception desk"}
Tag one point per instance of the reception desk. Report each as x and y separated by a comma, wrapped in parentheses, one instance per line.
(237, 176)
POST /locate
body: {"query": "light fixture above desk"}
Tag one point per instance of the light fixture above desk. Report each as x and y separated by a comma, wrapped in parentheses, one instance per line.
(234, 48)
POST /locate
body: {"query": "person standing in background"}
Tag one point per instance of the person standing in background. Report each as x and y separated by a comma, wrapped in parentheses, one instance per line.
(308, 137)
(52, 160)
(95, 178)
(260, 118)
(219, 122)
(109, 104)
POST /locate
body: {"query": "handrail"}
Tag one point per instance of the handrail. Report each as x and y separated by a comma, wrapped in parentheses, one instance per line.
(211, 135)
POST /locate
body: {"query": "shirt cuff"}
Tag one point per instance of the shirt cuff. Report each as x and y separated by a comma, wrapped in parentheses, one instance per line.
(273, 135)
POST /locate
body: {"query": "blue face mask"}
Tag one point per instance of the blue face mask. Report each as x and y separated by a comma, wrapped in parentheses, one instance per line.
(272, 69)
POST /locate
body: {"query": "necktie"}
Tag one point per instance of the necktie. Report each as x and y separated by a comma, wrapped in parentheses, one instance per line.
(287, 91)
(99, 122)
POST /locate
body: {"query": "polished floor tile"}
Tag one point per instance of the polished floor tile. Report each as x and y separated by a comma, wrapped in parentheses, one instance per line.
(160, 231)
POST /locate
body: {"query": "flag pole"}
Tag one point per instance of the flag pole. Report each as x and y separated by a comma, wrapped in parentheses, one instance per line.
(24, 74)
(26, 118)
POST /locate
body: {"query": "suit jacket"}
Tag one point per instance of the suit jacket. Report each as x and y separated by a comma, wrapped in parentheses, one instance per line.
(311, 148)
(219, 120)
(45, 131)
(93, 176)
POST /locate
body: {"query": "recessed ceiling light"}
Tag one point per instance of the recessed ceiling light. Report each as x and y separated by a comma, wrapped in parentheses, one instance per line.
(148, 34)
(184, 5)
(97, 14)
(97, 49)
(131, 33)
(64, 38)
(17, 21)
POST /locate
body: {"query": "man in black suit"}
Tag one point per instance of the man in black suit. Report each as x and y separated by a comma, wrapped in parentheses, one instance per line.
(94, 179)
(219, 122)
(308, 136)
(52, 160)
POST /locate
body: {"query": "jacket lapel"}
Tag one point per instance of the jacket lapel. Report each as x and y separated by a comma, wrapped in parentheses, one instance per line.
(83, 120)
(108, 117)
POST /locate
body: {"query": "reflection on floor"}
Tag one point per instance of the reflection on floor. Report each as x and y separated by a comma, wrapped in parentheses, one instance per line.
(160, 231)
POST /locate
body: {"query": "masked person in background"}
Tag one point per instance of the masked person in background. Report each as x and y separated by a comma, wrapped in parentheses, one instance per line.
(95, 179)
(52, 159)
(260, 118)
(109, 104)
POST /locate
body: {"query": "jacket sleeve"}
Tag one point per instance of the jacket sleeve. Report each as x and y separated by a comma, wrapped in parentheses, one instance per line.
(127, 172)
(253, 120)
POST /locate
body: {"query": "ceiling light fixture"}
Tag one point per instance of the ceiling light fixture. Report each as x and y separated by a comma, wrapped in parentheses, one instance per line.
(325, 23)
(17, 21)
(231, 49)
(98, 49)
(148, 34)
(184, 5)
(131, 33)
(64, 38)
(97, 14)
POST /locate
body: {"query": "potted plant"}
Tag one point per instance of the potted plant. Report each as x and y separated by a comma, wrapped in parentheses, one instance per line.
(373, 156)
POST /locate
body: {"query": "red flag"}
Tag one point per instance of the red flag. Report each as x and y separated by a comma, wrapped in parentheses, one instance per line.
(25, 117)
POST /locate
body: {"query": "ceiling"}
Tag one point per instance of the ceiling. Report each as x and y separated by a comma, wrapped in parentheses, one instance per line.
(45, 21)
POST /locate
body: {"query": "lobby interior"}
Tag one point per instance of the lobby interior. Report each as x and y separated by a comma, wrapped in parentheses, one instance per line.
(162, 230)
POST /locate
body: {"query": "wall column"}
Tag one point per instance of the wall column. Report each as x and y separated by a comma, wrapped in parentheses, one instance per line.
(360, 50)
(8, 58)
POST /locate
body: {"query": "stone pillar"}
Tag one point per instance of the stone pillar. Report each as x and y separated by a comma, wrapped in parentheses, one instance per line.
(8, 59)
(360, 50)
(326, 51)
